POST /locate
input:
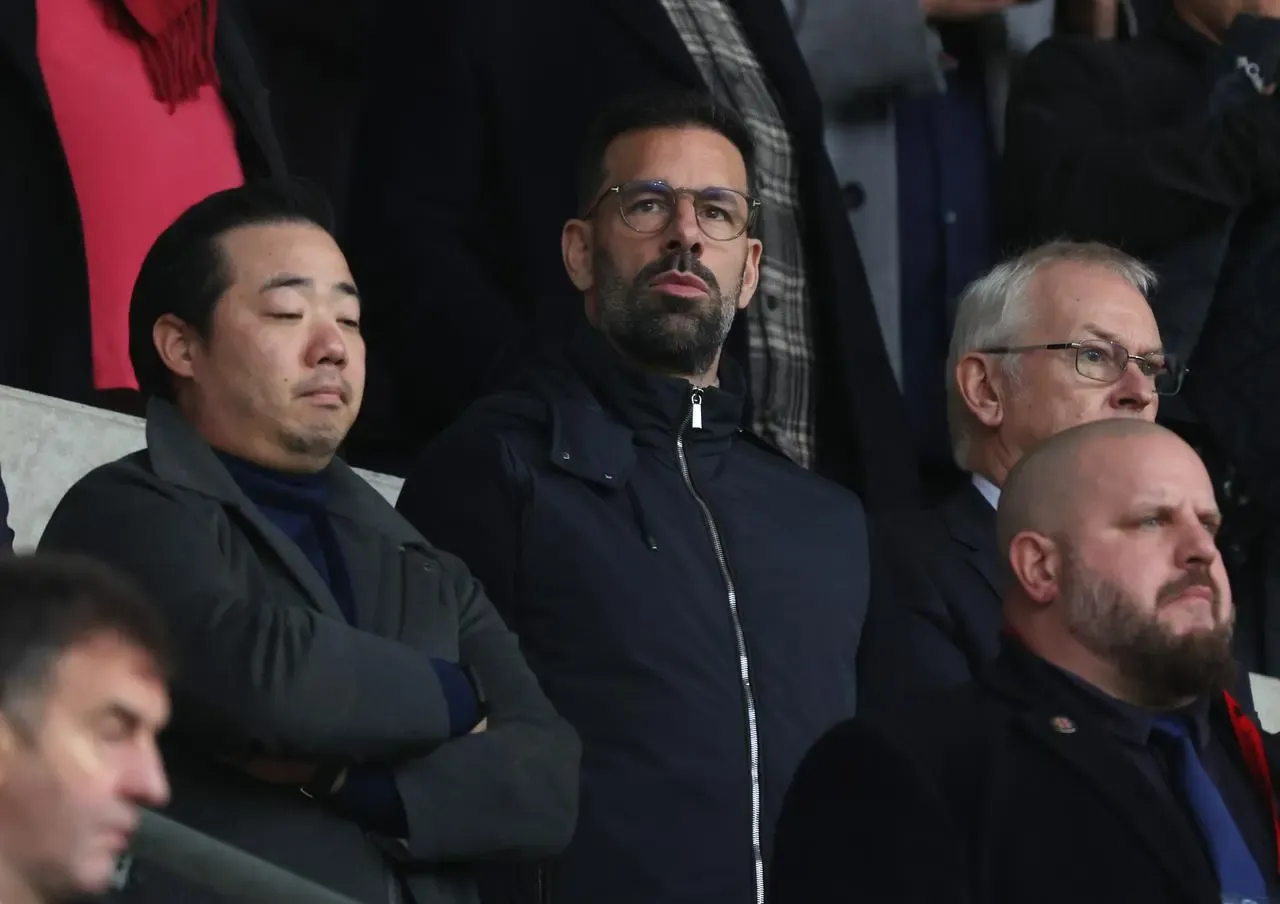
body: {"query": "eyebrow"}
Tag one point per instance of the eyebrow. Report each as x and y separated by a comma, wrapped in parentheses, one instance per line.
(709, 187)
(116, 709)
(131, 716)
(1164, 509)
(1109, 336)
(292, 281)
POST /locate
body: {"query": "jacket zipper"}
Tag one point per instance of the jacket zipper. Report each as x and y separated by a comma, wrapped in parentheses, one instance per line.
(694, 416)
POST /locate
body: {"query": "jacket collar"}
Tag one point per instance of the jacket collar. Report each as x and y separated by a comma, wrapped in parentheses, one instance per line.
(628, 407)
(971, 522)
(1068, 728)
(181, 456)
(1035, 679)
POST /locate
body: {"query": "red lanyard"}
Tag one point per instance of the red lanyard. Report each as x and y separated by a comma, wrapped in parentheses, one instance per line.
(1255, 757)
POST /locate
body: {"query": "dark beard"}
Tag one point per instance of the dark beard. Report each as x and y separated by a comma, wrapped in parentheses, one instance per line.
(660, 332)
(1163, 668)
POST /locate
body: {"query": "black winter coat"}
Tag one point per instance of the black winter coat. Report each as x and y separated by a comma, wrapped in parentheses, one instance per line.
(1017, 788)
(690, 600)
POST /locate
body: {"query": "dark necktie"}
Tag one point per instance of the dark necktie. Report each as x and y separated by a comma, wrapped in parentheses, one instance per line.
(1238, 872)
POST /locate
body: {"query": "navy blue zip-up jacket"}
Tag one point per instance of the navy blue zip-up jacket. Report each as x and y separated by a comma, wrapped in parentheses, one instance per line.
(690, 600)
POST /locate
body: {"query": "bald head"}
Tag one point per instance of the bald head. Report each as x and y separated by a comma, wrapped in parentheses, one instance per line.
(1115, 576)
(1044, 488)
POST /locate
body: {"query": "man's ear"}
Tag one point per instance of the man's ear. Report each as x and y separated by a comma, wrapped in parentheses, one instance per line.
(1036, 564)
(750, 273)
(175, 343)
(576, 247)
(982, 388)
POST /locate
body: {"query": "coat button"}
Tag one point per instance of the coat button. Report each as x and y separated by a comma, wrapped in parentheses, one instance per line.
(854, 195)
(564, 456)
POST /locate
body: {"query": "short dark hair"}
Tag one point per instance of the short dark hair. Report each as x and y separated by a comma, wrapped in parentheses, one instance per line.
(186, 270)
(665, 110)
(49, 603)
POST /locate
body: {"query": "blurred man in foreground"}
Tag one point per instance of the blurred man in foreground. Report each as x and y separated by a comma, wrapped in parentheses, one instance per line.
(83, 663)
(1099, 758)
(350, 706)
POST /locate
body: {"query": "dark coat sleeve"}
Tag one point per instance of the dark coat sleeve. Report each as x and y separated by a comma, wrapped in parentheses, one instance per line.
(253, 677)
(863, 822)
(510, 791)
(462, 496)
(906, 651)
(1080, 162)
(910, 643)
(6, 533)
(466, 495)
(237, 55)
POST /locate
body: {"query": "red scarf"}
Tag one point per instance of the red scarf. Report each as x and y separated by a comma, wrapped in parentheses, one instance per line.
(1255, 757)
(176, 40)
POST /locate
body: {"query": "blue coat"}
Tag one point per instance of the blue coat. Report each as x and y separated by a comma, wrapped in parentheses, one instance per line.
(608, 532)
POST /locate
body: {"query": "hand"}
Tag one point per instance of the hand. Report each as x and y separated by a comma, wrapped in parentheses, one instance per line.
(963, 9)
(481, 728)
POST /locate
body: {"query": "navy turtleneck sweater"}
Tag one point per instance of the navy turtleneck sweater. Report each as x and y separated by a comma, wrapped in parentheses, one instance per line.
(296, 504)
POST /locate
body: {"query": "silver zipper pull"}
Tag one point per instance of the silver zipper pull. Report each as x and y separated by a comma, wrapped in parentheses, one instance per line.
(696, 413)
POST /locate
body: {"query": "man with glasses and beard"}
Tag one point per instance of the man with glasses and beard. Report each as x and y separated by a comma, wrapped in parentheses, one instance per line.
(1098, 758)
(690, 599)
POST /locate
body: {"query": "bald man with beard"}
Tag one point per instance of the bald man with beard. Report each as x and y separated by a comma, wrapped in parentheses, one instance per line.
(1099, 757)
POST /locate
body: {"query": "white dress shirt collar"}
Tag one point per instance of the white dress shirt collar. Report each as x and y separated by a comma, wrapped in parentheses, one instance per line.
(989, 490)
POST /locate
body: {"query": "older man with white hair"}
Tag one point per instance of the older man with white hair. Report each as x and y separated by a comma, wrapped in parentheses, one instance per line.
(1059, 336)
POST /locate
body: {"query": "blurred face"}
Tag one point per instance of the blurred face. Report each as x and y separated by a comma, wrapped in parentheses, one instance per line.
(1047, 394)
(666, 299)
(280, 379)
(1142, 585)
(70, 794)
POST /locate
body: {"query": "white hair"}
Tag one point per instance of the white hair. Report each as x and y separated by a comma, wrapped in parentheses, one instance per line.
(996, 309)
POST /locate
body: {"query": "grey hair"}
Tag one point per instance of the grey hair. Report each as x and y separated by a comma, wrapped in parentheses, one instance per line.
(997, 308)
